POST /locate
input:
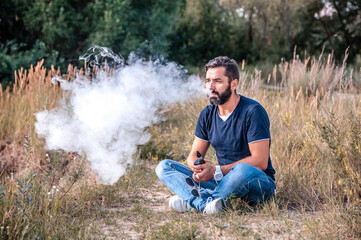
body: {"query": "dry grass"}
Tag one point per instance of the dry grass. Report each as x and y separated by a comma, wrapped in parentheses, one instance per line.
(316, 151)
(31, 92)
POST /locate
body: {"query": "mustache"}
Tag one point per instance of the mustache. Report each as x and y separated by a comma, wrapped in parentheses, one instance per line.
(215, 92)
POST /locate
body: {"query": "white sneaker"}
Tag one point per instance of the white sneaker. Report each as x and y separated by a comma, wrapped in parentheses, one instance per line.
(213, 207)
(178, 204)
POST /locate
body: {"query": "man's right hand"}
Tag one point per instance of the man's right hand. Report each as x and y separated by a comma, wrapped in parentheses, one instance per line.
(197, 168)
(201, 146)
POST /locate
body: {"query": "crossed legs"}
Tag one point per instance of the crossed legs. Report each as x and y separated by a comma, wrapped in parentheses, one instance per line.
(243, 181)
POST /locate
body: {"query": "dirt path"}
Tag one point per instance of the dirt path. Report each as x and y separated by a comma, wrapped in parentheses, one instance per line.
(144, 214)
(122, 221)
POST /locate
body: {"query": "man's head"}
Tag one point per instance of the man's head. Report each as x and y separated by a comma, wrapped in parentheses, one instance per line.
(221, 79)
(229, 64)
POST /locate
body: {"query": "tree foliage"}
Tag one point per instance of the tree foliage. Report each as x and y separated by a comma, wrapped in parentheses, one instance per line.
(187, 31)
(203, 32)
(331, 25)
(126, 25)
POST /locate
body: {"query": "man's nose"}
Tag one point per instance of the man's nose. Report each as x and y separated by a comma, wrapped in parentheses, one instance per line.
(211, 85)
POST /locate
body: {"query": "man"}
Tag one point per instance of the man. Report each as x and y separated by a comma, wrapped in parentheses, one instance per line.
(238, 129)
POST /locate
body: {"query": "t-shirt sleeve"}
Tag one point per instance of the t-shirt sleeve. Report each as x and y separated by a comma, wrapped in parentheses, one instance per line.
(201, 127)
(257, 125)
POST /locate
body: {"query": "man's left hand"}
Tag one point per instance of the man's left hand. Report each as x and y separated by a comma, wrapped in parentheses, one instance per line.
(206, 174)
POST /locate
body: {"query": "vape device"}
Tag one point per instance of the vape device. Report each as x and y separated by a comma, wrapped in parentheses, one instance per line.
(200, 159)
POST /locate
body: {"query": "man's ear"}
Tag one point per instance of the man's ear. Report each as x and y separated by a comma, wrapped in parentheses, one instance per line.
(234, 84)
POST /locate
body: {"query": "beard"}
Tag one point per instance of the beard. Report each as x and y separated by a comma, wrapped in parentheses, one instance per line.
(222, 98)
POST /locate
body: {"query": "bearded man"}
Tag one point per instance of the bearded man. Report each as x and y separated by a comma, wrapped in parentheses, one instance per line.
(238, 129)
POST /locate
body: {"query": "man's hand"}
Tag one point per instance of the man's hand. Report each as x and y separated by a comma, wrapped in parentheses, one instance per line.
(196, 168)
(203, 172)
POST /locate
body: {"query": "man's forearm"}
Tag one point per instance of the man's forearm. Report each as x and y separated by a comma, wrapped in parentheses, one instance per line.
(258, 158)
(254, 161)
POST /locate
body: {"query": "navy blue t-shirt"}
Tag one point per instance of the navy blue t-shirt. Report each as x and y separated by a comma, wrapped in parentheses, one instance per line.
(248, 123)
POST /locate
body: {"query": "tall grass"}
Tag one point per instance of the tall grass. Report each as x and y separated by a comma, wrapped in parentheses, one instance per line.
(38, 188)
(31, 92)
(315, 114)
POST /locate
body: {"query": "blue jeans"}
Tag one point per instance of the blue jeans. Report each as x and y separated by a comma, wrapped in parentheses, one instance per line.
(243, 181)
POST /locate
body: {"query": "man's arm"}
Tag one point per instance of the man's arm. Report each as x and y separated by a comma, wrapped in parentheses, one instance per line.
(259, 157)
(202, 172)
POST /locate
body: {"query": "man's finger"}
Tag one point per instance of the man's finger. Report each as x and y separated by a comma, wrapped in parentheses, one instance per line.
(196, 170)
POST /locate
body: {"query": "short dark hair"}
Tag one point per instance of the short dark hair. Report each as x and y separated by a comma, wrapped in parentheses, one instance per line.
(230, 65)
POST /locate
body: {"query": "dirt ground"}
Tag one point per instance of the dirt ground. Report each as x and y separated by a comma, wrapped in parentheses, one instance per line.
(146, 210)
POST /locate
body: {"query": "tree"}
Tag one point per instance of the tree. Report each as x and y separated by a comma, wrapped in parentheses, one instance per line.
(271, 25)
(126, 25)
(204, 31)
(333, 26)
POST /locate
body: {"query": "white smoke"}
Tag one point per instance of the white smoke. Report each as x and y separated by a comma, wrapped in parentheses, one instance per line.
(105, 118)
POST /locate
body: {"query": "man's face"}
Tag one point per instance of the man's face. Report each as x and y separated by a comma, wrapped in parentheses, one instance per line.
(217, 83)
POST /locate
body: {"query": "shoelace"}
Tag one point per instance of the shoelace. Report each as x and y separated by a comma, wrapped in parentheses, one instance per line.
(209, 200)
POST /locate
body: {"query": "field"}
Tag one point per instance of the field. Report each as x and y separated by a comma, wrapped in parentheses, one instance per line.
(314, 107)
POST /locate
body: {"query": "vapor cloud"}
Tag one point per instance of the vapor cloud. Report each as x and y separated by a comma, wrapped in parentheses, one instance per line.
(106, 118)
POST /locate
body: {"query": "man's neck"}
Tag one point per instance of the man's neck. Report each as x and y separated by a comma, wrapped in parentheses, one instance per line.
(230, 105)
